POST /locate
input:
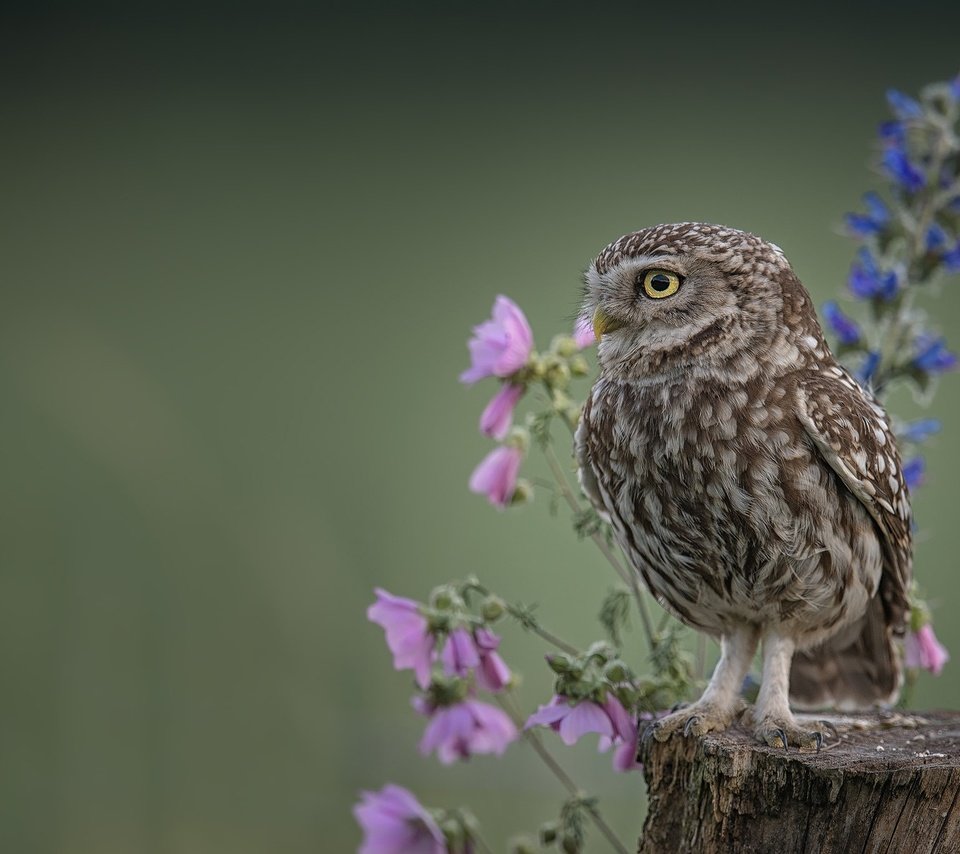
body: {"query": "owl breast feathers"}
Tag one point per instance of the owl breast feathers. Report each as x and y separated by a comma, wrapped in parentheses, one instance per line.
(752, 482)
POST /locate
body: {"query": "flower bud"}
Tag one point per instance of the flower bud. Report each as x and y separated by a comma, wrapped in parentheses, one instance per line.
(523, 846)
(548, 832)
(523, 494)
(564, 345)
(492, 608)
(446, 598)
(537, 365)
(601, 651)
(561, 664)
(616, 671)
(571, 845)
(579, 366)
(558, 375)
(519, 437)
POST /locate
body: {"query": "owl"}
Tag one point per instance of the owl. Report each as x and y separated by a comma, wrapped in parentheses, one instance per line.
(752, 482)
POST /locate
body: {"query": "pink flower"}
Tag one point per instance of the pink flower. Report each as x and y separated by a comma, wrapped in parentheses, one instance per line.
(459, 655)
(609, 719)
(459, 731)
(924, 650)
(583, 334)
(394, 822)
(496, 476)
(493, 674)
(500, 346)
(498, 416)
(408, 634)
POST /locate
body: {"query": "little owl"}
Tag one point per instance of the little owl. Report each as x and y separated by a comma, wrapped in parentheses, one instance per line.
(753, 483)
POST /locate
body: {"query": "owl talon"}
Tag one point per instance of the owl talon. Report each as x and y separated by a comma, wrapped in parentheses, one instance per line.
(785, 734)
(695, 720)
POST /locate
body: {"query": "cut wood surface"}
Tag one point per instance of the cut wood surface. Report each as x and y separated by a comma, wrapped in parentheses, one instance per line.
(882, 784)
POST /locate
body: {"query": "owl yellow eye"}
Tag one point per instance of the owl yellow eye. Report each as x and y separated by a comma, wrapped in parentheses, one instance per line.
(658, 284)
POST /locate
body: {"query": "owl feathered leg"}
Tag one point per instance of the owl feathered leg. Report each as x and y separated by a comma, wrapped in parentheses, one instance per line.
(720, 701)
(772, 719)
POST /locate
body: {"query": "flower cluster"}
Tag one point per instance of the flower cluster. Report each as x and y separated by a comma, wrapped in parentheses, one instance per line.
(453, 654)
(594, 692)
(908, 240)
(502, 348)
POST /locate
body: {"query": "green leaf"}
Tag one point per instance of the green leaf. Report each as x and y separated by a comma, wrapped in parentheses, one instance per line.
(615, 614)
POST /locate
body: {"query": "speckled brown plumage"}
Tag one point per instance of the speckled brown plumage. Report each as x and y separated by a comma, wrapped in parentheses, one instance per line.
(752, 482)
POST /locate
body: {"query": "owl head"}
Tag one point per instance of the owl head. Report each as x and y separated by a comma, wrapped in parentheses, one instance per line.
(677, 294)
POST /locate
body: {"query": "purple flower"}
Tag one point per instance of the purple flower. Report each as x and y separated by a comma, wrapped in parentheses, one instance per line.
(868, 368)
(459, 654)
(925, 651)
(493, 674)
(932, 355)
(903, 106)
(913, 470)
(408, 634)
(844, 327)
(573, 719)
(496, 476)
(955, 88)
(920, 430)
(868, 281)
(394, 822)
(498, 416)
(583, 333)
(465, 728)
(873, 221)
(898, 166)
(500, 346)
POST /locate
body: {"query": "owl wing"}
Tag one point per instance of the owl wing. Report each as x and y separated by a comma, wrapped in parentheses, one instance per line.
(851, 432)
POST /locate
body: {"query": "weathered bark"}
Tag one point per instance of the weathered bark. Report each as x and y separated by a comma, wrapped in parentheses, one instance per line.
(880, 785)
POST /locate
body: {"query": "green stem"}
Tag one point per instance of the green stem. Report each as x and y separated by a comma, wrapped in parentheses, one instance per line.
(530, 624)
(506, 703)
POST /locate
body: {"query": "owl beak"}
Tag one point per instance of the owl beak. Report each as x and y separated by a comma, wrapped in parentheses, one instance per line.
(603, 323)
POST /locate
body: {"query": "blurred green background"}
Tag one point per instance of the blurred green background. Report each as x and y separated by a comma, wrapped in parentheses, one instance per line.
(242, 251)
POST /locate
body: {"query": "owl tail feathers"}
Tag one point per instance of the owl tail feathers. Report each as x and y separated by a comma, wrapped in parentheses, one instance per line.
(855, 670)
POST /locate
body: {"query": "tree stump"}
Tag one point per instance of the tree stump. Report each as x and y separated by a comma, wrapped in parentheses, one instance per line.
(881, 785)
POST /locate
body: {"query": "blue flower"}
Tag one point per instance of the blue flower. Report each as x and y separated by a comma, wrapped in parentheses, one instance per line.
(892, 133)
(898, 166)
(868, 368)
(903, 106)
(936, 237)
(955, 88)
(867, 281)
(932, 355)
(951, 259)
(873, 221)
(913, 472)
(920, 430)
(845, 328)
